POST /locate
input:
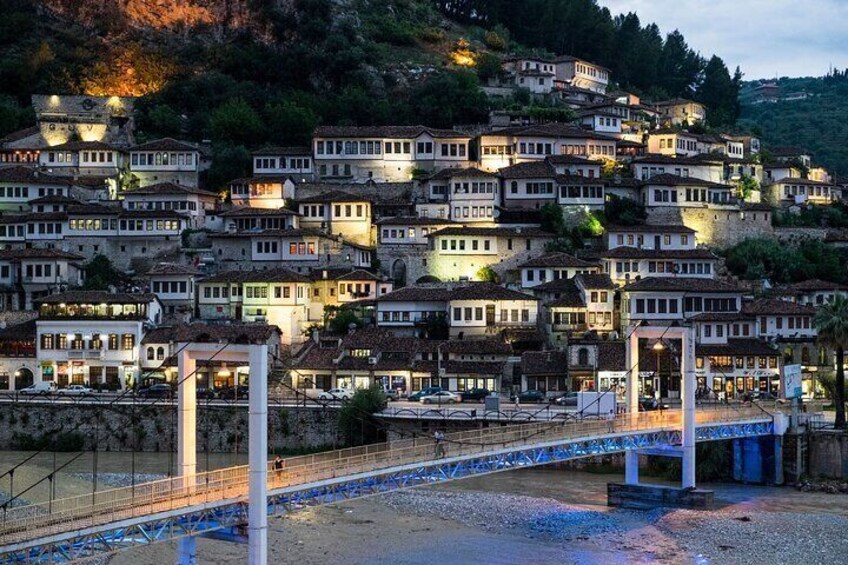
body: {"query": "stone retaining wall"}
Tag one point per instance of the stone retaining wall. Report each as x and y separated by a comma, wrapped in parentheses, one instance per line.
(23, 425)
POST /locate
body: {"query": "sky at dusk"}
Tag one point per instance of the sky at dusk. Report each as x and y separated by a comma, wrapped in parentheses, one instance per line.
(767, 38)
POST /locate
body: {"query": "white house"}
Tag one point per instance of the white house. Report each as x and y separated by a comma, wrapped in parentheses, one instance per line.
(188, 201)
(165, 160)
(32, 273)
(89, 337)
(386, 153)
(580, 73)
(504, 147)
(553, 266)
(281, 161)
(174, 285)
(19, 184)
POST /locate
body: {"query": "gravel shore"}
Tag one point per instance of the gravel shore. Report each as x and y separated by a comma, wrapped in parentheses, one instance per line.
(545, 516)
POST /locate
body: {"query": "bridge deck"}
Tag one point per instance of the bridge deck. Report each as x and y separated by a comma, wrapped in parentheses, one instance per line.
(47, 523)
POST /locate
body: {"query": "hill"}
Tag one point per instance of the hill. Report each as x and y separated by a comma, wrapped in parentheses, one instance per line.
(244, 73)
(814, 117)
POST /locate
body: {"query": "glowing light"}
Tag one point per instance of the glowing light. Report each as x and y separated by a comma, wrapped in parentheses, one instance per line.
(658, 346)
(462, 54)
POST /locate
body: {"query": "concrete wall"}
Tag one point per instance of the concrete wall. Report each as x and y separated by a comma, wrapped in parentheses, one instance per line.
(288, 428)
(827, 455)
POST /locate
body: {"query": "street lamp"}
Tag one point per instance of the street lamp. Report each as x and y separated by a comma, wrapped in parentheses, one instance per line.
(659, 347)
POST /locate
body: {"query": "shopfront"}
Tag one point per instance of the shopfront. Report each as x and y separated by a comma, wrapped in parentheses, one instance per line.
(730, 377)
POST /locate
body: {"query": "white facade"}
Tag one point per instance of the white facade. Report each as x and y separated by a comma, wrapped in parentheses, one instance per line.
(386, 154)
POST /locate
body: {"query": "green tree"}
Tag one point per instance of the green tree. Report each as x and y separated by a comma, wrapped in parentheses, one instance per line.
(228, 162)
(488, 274)
(340, 318)
(163, 121)
(488, 66)
(551, 219)
(747, 186)
(831, 322)
(450, 98)
(624, 211)
(357, 423)
(679, 66)
(290, 122)
(100, 273)
(236, 122)
(720, 93)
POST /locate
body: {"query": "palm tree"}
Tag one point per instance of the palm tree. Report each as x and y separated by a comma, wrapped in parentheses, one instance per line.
(831, 321)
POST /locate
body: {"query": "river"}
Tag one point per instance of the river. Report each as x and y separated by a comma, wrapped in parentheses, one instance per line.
(527, 516)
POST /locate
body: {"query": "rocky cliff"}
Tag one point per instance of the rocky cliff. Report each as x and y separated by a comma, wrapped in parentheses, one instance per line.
(155, 14)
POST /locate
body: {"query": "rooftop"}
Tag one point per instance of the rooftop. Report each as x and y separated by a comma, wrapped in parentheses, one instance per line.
(164, 144)
(684, 285)
(387, 132)
(557, 259)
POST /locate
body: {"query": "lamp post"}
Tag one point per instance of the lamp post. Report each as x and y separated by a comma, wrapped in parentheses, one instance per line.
(659, 347)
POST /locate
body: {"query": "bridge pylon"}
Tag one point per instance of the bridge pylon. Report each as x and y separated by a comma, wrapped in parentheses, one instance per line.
(256, 356)
(686, 335)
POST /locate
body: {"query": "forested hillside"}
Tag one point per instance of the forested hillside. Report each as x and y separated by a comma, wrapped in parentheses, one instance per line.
(243, 73)
(818, 123)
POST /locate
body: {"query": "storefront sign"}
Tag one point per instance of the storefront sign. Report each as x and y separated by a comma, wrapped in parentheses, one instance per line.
(792, 381)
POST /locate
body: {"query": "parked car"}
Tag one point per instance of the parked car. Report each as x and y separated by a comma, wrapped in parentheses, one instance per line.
(160, 390)
(75, 390)
(43, 387)
(392, 394)
(441, 397)
(535, 396)
(336, 394)
(239, 392)
(416, 396)
(567, 399)
(475, 395)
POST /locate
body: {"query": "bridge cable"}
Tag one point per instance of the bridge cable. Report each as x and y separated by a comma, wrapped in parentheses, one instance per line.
(81, 453)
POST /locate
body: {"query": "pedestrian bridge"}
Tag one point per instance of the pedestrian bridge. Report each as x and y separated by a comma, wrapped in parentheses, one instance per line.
(216, 502)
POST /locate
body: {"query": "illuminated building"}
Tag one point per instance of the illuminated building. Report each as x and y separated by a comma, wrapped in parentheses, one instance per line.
(90, 337)
(165, 161)
(386, 153)
(280, 161)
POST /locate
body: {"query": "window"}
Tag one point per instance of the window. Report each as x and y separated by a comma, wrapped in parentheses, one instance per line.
(127, 342)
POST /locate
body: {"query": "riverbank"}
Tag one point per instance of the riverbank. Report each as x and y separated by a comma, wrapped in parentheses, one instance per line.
(545, 516)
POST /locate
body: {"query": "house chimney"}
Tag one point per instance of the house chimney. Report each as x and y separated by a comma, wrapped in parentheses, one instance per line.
(324, 274)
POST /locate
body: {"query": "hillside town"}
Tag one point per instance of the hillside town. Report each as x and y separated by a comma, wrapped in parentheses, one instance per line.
(409, 256)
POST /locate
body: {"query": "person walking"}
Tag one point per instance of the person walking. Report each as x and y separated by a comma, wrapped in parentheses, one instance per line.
(278, 467)
(611, 421)
(439, 438)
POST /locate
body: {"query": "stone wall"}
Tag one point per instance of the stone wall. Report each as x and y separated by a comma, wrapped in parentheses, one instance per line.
(23, 425)
(827, 455)
(717, 227)
(794, 236)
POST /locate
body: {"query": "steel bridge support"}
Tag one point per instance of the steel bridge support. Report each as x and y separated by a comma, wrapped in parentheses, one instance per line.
(187, 440)
(256, 355)
(686, 335)
(257, 514)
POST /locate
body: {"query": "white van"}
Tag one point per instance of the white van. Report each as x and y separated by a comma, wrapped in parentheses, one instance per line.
(43, 387)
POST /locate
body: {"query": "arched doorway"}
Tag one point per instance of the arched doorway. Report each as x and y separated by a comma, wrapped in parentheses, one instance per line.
(23, 378)
(399, 273)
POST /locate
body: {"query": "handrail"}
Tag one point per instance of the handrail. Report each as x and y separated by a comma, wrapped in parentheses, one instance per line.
(60, 515)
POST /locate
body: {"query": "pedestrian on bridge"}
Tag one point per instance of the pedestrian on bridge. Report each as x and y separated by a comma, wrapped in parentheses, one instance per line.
(278, 467)
(611, 421)
(439, 438)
